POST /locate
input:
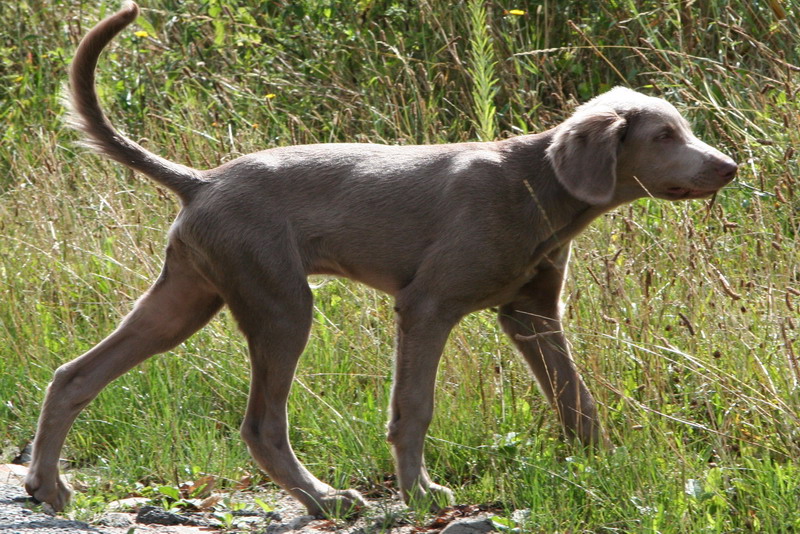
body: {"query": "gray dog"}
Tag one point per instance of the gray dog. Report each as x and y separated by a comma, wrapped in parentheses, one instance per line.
(445, 229)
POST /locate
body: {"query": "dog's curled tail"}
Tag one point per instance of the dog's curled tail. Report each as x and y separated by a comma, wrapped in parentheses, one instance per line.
(88, 117)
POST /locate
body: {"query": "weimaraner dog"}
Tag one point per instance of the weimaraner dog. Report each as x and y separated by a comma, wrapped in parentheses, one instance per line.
(445, 229)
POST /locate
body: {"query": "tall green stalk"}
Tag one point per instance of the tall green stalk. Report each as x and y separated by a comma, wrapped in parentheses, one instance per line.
(481, 68)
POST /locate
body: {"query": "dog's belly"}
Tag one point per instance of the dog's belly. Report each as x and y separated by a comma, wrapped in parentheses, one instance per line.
(386, 282)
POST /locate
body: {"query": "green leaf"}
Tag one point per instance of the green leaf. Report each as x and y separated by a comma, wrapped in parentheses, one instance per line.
(169, 491)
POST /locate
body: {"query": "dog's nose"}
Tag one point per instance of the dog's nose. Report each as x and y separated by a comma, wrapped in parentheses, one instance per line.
(727, 169)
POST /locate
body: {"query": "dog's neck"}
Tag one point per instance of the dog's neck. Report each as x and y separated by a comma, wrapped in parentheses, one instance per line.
(563, 236)
(548, 200)
(550, 206)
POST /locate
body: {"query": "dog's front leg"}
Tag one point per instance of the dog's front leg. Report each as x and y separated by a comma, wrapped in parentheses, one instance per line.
(421, 335)
(533, 322)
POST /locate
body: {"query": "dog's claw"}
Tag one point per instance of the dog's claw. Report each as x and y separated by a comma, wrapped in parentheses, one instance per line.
(57, 495)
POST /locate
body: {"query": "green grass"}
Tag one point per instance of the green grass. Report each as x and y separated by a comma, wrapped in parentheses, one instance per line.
(684, 317)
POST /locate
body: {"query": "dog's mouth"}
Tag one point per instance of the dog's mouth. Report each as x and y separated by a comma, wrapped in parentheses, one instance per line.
(684, 193)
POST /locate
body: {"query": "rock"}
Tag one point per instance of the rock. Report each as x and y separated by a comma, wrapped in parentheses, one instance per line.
(277, 528)
(153, 515)
(24, 456)
(299, 522)
(521, 516)
(295, 524)
(470, 526)
(116, 520)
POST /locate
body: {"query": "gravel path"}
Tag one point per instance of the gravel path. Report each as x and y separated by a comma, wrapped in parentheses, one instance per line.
(15, 518)
(19, 516)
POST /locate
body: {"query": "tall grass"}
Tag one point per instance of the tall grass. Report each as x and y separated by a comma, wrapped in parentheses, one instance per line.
(683, 317)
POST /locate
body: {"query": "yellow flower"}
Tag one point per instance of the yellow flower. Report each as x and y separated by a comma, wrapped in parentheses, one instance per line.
(141, 34)
(517, 12)
(269, 96)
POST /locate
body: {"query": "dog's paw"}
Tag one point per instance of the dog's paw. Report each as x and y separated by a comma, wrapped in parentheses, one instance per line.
(54, 492)
(338, 503)
(433, 498)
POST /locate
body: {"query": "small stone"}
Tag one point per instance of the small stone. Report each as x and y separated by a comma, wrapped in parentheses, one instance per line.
(116, 520)
(469, 526)
(277, 528)
(295, 524)
(152, 515)
(299, 522)
(521, 516)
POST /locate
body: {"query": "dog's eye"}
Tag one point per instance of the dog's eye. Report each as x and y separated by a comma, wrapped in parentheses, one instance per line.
(666, 135)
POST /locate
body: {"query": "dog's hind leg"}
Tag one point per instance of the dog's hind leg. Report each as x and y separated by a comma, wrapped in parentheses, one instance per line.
(276, 319)
(177, 305)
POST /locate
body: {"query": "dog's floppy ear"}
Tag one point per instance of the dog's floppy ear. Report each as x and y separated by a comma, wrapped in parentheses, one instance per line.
(584, 153)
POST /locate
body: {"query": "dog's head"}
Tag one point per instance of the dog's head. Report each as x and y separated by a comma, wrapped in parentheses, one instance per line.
(624, 145)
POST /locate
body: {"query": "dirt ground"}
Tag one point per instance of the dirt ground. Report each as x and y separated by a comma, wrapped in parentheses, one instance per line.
(387, 515)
